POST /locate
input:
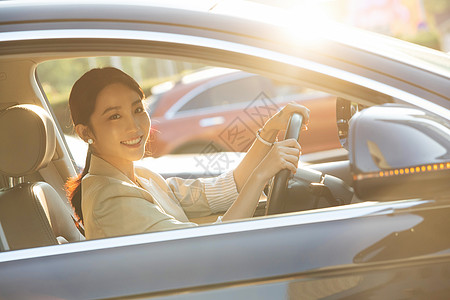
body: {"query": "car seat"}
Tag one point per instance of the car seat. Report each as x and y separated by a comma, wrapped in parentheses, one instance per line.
(32, 214)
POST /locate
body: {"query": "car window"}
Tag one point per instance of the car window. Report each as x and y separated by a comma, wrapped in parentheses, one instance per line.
(163, 84)
(240, 90)
(244, 90)
(240, 94)
(285, 91)
(318, 143)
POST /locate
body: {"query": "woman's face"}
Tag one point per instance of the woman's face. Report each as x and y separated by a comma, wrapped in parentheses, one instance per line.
(120, 125)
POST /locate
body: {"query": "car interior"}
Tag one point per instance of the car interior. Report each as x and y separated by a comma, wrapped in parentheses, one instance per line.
(31, 212)
(36, 161)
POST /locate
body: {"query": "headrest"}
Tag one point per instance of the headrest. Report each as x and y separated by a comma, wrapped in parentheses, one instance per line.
(28, 141)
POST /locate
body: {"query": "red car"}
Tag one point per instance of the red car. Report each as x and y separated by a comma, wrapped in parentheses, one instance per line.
(220, 109)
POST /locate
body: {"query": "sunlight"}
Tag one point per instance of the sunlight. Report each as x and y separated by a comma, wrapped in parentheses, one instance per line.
(311, 16)
(304, 22)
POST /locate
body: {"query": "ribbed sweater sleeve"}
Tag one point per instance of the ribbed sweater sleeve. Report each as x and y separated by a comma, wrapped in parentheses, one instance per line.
(220, 191)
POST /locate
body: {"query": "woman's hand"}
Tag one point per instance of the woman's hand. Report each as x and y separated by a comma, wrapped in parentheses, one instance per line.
(262, 163)
(282, 155)
(280, 120)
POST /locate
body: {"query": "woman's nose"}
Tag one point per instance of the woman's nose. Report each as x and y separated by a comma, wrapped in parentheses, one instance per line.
(133, 124)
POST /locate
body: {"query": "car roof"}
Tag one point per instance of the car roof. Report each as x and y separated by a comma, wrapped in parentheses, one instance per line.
(21, 12)
(331, 50)
(393, 48)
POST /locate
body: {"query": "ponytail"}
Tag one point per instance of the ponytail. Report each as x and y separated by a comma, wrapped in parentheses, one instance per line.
(73, 188)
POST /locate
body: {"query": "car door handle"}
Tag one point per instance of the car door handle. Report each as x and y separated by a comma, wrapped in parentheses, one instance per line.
(207, 122)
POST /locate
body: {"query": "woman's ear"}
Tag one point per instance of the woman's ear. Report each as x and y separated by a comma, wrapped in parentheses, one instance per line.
(83, 132)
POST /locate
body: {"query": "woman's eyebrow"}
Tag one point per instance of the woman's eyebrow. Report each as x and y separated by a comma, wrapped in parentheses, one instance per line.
(119, 107)
(111, 108)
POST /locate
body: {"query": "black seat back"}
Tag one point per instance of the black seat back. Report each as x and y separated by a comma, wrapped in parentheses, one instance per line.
(31, 214)
(23, 219)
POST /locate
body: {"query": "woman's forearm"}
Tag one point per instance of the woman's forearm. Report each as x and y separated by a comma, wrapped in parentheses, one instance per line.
(252, 159)
(282, 155)
(247, 200)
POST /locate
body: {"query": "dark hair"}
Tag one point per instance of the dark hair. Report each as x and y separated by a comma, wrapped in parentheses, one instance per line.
(82, 104)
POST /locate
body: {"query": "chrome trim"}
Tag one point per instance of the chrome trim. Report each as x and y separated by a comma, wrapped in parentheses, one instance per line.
(325, 154)
(4, 246)
(11, 182)
(261, 223)
(213, 121)
(228, 46)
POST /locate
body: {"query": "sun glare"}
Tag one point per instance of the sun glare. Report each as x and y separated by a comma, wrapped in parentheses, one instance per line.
(311, 16)
(304, 21)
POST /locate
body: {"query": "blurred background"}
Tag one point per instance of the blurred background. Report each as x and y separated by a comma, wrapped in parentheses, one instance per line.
(425, 22)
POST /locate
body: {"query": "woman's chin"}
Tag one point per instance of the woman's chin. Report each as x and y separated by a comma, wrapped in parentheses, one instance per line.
(138, 155)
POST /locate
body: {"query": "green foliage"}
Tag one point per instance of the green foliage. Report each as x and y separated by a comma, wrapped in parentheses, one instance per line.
(436, 6)
(425, 38)
(58, 76)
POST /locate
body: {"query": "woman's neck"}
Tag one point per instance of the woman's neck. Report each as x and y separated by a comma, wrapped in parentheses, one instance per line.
(124, 166)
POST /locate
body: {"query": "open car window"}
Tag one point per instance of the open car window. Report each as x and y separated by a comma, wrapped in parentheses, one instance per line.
(209, 100)
(204, 118)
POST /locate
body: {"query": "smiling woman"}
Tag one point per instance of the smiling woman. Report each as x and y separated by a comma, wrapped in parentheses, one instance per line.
(83, 105)
(112, 198)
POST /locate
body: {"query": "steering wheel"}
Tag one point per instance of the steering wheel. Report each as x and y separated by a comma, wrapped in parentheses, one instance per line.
(279, 182)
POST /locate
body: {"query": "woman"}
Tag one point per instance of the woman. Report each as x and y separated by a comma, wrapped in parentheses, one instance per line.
(112, 197)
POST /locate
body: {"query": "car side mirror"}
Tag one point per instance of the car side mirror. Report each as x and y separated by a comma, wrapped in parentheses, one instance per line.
(399, 152)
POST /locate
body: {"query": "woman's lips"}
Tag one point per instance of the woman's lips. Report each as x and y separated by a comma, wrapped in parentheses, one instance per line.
(132, 142)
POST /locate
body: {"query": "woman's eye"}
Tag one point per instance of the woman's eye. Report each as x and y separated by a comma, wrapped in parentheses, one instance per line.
(139, 109)
(114, 117)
